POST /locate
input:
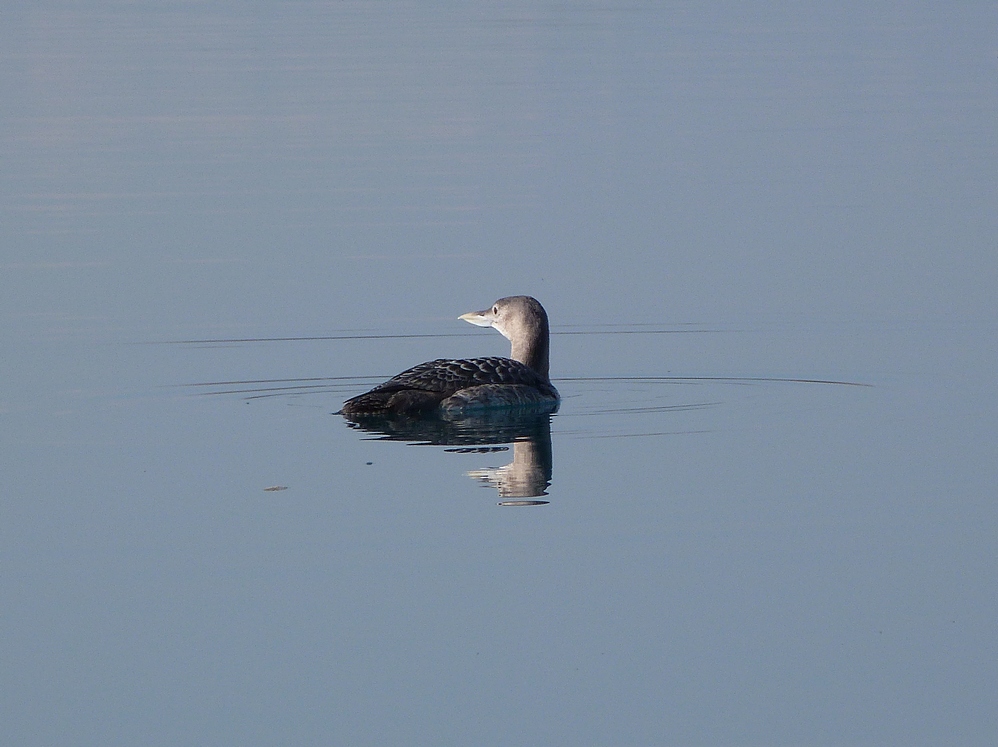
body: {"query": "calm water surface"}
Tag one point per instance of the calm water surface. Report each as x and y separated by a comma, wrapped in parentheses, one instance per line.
(765, 512)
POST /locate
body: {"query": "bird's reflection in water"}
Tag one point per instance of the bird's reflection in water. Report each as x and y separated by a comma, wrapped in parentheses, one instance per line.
(528, 429)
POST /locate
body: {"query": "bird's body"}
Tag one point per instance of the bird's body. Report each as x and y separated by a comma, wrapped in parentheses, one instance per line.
(450, 385)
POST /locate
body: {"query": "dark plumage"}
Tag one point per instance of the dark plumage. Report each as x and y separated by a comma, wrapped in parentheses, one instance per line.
(474, 383)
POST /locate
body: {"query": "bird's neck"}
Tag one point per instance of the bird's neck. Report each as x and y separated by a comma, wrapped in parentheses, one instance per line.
(532, 352)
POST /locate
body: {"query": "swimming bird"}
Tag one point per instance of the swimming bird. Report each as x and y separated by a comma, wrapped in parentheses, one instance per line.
(454, 385)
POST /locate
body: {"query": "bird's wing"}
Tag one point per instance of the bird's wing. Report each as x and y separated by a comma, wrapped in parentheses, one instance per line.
(449, 375)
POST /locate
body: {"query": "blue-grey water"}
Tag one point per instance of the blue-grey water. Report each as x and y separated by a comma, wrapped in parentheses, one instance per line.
(766, 239)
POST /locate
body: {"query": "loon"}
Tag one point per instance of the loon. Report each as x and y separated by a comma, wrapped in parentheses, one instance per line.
(455, 385)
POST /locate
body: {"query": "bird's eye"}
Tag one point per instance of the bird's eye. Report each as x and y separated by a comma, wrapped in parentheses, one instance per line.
(495, 310)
